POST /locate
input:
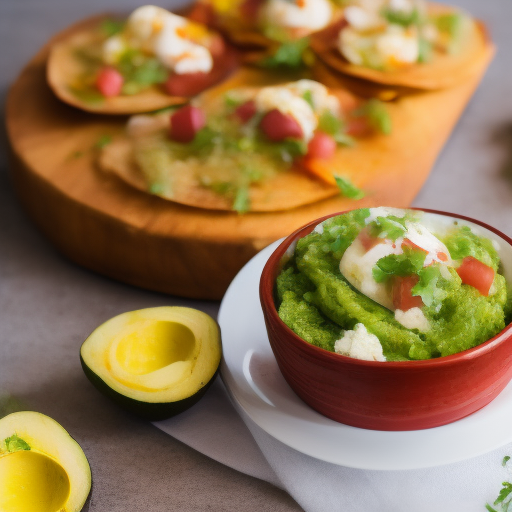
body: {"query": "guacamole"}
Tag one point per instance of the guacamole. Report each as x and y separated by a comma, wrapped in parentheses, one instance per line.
(428, 292)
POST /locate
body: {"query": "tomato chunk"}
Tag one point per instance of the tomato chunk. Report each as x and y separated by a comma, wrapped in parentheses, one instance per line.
(321, 146)
(411, 245)
(278, 126)
(246, 111)
(402, 293)
(109, 82)
(476, 274)
(185, 123)
(188, 84)
(368, 241)
(250, 9)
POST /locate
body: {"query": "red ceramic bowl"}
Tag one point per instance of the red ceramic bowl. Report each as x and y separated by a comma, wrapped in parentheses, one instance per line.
(408, 395)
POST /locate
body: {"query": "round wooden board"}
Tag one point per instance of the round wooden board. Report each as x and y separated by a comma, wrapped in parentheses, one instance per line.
(103, 224)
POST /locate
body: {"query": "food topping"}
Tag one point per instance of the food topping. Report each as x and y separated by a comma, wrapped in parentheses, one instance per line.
(391, 34)
(360, 344)
(309, 15)
(180, 45)
(185, 123)
(109, 82)
(423, 286)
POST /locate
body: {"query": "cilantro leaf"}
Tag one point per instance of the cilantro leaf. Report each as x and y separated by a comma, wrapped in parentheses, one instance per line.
(289, 54)
(377, 114)
(424, 50)
(348, 189)
(111, 27)
(242, 202)
(204, 140)
(489, 508)
(361, 215)
(15, 444)
(308, 96)
(329, 123)
(391, 227)
(409, 262)
(505, 460)
(289, 149)
(103, 141)
(402, 18)
(426, 287)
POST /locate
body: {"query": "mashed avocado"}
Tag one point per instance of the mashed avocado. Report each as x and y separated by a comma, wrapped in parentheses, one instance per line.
(319, 304)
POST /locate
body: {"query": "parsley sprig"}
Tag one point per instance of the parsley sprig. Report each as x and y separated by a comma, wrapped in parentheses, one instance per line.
(504, 499)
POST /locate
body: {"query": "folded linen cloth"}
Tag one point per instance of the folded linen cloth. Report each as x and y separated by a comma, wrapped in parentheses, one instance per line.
(214, 428)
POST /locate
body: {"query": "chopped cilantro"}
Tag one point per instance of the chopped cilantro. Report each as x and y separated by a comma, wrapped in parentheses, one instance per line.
(348, 189)
(344, 139)
(427, 288)
(405, 264)
(308, 96)
(504, 499)
(156, 188)
(451, 24)
(15, 444)
(377, 114)
(403, 18)
(361, 215)
(231, 102)
(424, 50)
(103, 141)
(111, 27)
(204, 140)
(489, 508)
(90, 96)
(242, 201)
(505, 460)
(289, 54)
(289, 149)
(391, 227)
(329, 123)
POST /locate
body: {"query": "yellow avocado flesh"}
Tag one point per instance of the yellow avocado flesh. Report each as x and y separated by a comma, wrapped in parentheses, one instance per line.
(32, 481)
(156, 355)
(52, 476)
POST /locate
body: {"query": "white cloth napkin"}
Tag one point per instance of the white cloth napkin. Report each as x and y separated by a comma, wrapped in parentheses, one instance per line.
(214, 428)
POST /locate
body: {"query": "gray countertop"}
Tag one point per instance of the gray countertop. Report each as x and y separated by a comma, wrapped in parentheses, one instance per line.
(48, 305)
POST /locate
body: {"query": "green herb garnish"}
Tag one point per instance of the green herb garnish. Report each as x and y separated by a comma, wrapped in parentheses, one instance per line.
(391, 227)
(103, 141)
(90, 96)
(15, 444)
(289, 54)
(504, 499)
(334, 126)
(204, 140)
(348, 189)
(427, 287)
(402, 18)
(242, 202)
(425, 50)
(377, 114)
(409, 262)
(111, 27)
(308, 96)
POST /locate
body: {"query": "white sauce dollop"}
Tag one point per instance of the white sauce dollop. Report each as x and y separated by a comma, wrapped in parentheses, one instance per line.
(310, 15)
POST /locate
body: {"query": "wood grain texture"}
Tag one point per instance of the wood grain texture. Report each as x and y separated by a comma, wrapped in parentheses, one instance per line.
(101, 223)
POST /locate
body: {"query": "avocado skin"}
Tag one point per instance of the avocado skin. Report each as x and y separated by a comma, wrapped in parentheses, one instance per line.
(146, 410)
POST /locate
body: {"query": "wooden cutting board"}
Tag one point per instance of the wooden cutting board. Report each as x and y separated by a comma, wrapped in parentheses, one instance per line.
(103, 224)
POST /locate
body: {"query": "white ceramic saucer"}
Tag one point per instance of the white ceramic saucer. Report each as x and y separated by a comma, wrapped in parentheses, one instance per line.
(257, 387)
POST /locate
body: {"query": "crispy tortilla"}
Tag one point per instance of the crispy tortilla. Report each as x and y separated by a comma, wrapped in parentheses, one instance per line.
(66, 74)
(282, 191)
(445, 70)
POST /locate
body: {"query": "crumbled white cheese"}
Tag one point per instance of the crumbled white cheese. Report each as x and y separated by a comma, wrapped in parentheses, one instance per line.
(319, 228)
(156, 30)
(321, 98)
(304, 14)
(360, 344)
(398, 45)
(413, 319)
(362, 19)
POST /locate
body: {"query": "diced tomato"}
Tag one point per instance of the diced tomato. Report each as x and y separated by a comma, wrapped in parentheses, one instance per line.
(246, 111)
(476, 274)
(217, 46)
(402, 293)
(359, 127)
(321, 146)
(203, 13)
(188, 84)
(441, 256)
(185, 123)
(411, 245)
(109, 82)
(368, 241)
(278, 126)
(348, 102)
(250, 9)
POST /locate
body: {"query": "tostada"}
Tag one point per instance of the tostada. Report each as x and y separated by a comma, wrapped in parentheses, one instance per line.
(152, 60)
(271, 33)
(249, 148)
(403, 43)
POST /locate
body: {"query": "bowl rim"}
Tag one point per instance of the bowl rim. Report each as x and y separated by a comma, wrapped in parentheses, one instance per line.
(266, 291)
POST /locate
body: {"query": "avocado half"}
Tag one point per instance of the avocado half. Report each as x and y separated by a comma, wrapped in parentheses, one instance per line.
(154, 362)
(42, 468)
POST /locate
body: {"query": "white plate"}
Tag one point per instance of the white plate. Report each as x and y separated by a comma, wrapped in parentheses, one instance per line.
(250, 372)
